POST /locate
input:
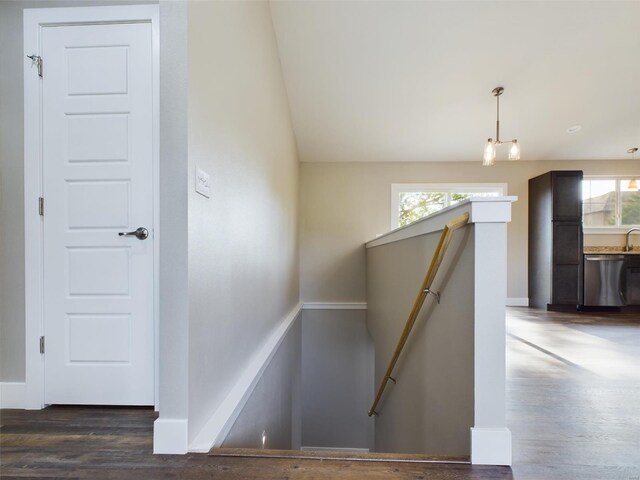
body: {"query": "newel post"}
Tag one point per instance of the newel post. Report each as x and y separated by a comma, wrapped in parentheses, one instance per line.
(490, 437)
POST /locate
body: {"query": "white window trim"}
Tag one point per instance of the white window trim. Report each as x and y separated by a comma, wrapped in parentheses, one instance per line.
(397, 188)
(618, 229)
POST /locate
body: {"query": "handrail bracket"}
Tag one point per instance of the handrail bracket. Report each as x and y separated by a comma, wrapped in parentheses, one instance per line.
(435, 294)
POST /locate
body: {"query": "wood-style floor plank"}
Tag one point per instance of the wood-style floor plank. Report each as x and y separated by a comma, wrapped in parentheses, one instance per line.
(573, 394)
(336, 455)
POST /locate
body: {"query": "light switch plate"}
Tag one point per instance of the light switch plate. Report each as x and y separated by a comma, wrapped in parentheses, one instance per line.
(203, 184)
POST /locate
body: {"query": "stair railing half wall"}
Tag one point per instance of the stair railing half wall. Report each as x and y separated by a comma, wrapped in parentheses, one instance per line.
(425, 289)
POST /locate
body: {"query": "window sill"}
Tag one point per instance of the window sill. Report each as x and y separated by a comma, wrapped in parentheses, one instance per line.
(607, 230)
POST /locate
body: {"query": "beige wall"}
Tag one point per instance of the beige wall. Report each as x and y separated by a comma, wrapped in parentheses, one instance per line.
(243, 241)
(344, 205)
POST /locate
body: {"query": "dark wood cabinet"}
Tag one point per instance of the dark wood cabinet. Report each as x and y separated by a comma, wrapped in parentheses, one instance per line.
(567, 243)
(555, 240)
(631, 279)
(567, 196)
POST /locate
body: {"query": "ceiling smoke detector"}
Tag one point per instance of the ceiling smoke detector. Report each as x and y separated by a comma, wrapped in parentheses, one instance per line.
(574, 128)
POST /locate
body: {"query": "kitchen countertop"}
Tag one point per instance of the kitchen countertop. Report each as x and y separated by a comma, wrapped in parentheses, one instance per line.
(634, 250)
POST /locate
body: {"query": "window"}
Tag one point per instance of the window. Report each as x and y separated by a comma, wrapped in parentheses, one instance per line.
(412, 201)
(609, 203)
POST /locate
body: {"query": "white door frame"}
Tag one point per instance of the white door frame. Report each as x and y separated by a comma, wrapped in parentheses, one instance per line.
(34, 21)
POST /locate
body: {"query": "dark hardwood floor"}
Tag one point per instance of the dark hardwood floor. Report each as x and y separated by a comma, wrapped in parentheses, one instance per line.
(97, 443)
(573, 408)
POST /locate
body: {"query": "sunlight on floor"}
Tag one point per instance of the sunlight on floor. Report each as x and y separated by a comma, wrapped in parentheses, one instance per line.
(573, 394)
(575, 345)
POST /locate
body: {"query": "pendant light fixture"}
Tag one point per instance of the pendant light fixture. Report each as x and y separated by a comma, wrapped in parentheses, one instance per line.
(489, 157)
(633, 184)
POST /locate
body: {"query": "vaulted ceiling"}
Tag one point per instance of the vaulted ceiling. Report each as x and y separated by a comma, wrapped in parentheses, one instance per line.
(412, 81)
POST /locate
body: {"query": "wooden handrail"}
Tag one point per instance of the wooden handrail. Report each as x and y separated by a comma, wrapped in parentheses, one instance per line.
(425, 289)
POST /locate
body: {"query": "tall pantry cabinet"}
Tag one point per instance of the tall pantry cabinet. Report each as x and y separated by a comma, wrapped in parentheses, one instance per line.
(555, 240)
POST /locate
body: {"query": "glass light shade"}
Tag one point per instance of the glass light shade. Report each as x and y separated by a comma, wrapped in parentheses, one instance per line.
(489, 157)
(633, 184)
(514, 151)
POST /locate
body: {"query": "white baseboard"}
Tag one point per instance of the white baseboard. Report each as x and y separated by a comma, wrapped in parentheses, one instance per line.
(13, 394)
(219, 424)
(335, 306)
(334, 449)
(170, 436)
(517, 301)
(490, 446)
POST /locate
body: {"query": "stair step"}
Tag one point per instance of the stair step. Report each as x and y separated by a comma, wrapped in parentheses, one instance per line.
(337, 455)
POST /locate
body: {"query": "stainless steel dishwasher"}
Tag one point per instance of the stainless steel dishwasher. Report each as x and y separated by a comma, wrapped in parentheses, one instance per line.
(603, 280)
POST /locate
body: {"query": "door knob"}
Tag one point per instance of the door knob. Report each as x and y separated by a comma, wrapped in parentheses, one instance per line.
(140, 233)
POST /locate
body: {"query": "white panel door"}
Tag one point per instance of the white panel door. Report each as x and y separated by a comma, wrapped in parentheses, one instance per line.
(98, 181)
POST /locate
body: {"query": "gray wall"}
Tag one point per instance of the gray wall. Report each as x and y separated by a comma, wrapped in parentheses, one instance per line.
(11, 193)
(431, 408)
(243, 241)
(337, 379)
(12, 340)
(274, 405)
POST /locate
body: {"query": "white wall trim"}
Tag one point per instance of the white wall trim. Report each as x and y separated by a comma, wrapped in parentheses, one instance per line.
(13, 394)
(170, 436)
(220, 423)
(155, 38)
(335, 306)
(33, 22)
(480, 209)
(490, 446)
(397, 188)
(517, 301)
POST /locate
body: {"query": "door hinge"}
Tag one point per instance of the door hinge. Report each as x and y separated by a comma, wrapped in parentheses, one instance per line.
(37, 59)
(41, 206)
(41, 344)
